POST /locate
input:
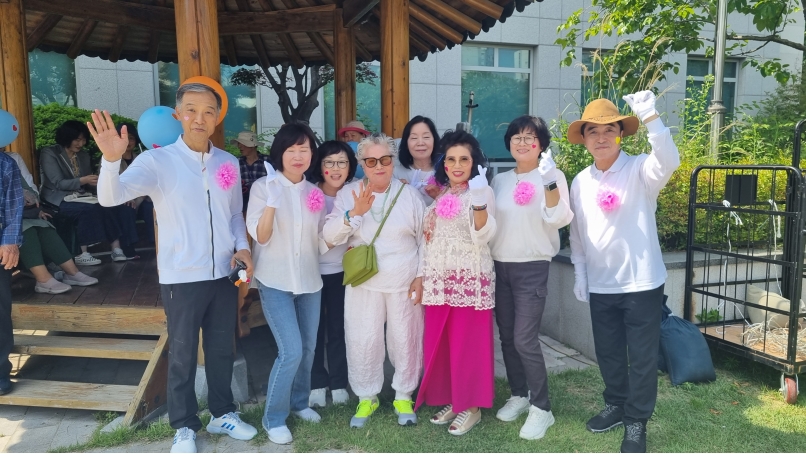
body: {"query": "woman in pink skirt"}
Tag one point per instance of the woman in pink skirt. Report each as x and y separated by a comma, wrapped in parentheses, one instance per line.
(458, 288)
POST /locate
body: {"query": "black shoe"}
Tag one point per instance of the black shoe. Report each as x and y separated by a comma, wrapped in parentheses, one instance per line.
(634, 437)
(5, 386)
(607, 419)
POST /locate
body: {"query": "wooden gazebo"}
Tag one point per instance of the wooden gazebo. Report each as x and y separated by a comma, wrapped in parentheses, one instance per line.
(200, 35)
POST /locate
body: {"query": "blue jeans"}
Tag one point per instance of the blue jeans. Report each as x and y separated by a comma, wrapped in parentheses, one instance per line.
(294, 321)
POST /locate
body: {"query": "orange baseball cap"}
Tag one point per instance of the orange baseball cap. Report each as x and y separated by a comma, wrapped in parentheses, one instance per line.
(204, 80)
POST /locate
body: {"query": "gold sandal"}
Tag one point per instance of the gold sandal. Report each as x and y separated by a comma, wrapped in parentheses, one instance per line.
(464, 422)
(444, 416)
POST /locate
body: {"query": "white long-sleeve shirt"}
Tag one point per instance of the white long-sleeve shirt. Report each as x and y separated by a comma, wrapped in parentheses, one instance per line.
(289, 259)
(331, 261)
(399, 247)
(528, 233)
(200, 222)
(24, 172)
(620, 248)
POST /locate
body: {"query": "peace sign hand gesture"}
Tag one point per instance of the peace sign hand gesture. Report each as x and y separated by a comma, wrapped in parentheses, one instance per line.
(103, 131)
(363, 200)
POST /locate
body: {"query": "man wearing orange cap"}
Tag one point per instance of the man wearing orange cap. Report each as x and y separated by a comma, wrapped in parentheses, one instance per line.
(617, 258)
(196, 191)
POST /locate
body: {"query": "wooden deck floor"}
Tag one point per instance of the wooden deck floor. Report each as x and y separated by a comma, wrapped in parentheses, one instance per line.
(131, 283)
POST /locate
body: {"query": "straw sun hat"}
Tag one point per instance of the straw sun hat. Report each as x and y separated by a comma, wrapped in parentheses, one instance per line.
(601, 112)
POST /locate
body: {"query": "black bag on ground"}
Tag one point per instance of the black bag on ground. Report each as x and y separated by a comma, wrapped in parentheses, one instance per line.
(684, 353)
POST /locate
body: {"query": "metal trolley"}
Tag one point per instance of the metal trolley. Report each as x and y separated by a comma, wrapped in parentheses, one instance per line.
(744, 262)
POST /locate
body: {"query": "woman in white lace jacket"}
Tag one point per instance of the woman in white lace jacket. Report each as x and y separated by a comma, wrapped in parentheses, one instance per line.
(458, 288)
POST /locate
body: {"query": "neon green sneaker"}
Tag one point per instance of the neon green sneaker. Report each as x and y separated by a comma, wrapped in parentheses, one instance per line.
(366, 407)
(405, 412)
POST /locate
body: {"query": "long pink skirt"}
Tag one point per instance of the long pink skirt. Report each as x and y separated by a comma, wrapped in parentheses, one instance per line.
(458, 357)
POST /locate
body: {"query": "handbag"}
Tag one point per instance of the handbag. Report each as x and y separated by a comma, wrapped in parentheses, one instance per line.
(360, 263)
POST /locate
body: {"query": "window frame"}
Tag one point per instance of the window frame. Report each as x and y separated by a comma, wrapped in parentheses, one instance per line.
(734, 79)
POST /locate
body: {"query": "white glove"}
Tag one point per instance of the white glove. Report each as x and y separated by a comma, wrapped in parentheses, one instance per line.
(478, 187)
(642, 103)
(415, 180)
(581, 283)
(273, 190)
(547, 168)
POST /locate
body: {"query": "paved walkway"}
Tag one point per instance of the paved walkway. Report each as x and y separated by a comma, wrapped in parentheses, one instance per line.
(31, 429)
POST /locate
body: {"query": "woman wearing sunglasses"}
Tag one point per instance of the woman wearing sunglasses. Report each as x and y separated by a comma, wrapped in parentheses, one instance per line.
(335, 167)
(391, 296)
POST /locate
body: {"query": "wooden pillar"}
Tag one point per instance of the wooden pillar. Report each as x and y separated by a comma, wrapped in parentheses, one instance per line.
(15, 84)
(344, 66)
(197, 45)
(394, 66)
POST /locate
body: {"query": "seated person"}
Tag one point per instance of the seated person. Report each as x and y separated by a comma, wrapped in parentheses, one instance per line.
(141, 206)
(354, 131)
(251, 162)
(66, 171)
(40, 242)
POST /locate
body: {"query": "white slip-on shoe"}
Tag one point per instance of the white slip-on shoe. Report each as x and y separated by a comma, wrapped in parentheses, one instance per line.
(280, 435)
(536, 424)
(231, 425)
(340, 396)
(79, 279)
(308, 414)
(318, 397)
(184, 441)
(514, 407)
(52, 286)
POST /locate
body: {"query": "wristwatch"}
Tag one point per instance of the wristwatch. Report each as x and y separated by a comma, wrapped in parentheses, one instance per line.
(551, 186)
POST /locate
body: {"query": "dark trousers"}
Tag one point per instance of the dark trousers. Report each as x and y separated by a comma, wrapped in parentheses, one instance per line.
(626, 335)
(40, 244)
(211, 306)
(520, 297)
(125, 219)
(331, 327)
(93, 223)
(6, 331)
(146, 212)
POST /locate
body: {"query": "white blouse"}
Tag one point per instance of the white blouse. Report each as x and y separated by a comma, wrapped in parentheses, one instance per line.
(289, 260)
(458, 268)
(528, 233)
(402, 173)
(620, 248)
(399, 247)
(330, 261)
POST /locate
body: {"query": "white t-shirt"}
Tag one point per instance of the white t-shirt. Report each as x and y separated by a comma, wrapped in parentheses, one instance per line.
(330, 261)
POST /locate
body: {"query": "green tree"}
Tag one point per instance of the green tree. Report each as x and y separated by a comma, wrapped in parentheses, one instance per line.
(662, 27)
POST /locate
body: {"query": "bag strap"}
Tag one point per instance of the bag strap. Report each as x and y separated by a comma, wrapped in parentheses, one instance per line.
(378, 232)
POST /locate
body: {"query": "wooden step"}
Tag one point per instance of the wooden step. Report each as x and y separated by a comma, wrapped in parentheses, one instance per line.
(84, 396)
(89, 319)
(87, 347)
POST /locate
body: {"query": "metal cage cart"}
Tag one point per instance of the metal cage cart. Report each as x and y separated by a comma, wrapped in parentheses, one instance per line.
(744, 262)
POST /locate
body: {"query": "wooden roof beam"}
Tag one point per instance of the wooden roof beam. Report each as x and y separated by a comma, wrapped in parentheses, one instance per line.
(260, 49)
(111, 11)
(230, 50)
(450, 13)
(321, 44)
(308, 19)
(435, 24)
(41, 30)
(486, 7)
(154, 46)
(291, 50)
(354, 10)
(81, 38)
(362, 52)
(419, 44)
(117, 43)
(421, 31)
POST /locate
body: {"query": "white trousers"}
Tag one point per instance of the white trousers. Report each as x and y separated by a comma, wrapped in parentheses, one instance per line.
(365, 312)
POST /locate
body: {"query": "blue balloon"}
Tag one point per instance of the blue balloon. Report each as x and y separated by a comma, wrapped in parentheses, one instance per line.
(157, 127)
(9, 128)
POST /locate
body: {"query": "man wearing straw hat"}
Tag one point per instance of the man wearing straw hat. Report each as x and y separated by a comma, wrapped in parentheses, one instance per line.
(196, 192)
(617, 259)
(251, 161)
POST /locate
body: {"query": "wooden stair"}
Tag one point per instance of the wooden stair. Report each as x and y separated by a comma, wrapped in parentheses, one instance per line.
(93, 332)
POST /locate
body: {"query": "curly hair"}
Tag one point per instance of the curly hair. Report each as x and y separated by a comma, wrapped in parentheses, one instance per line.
(459, 138)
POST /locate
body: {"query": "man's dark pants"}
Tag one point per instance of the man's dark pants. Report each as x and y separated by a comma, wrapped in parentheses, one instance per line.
(6, 332)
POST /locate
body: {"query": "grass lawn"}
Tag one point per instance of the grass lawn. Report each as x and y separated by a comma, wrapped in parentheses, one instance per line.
(742, 411)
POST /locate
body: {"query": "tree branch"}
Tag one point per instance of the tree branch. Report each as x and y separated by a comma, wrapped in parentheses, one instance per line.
(771, 38)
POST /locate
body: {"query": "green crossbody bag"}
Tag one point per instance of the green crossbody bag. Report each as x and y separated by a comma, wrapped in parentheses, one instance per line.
(360, 262)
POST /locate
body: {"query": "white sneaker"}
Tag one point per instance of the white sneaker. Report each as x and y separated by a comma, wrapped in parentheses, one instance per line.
(514, 407)
(52, 286)
(86, 259)
(184, 441)
(231, 425)
(280, 435)
(340, 396)
(80, 279)
(536, 424)
(118, 255)
(318, 398)
(308, 415)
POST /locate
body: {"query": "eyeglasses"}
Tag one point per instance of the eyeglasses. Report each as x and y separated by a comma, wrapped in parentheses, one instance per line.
(464, 161)
(528, 140)
(373, 162)
(339, 164)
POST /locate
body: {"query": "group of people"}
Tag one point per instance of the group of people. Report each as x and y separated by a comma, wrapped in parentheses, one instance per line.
(453, 252)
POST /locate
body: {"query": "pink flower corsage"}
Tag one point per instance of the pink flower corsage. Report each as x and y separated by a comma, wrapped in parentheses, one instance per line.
(315, 201)
(524, 191)
(448, 206)
(226, 176)
(607, 199)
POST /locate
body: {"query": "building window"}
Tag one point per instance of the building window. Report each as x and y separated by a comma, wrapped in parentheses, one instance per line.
(591, 88)
(499, 77)
(242, 110)
(367, 105)
(53, 78)
(698, 68)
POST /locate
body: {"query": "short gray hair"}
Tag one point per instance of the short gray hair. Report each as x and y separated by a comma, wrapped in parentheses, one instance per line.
(377, 138)
(196, 88)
